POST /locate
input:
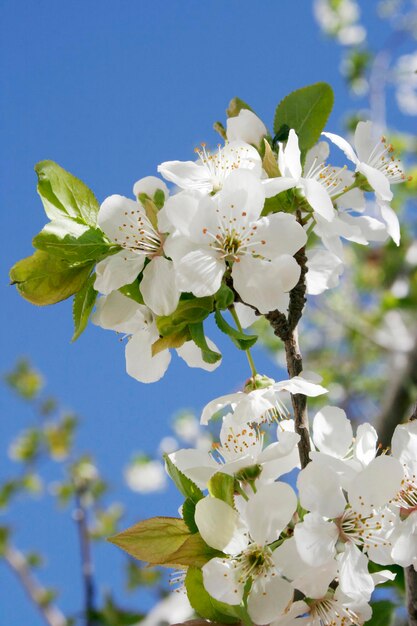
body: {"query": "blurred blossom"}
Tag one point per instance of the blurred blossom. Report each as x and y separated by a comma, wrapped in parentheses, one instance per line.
(394, 333)
(187, 427)
(168, 445)
(411, 256)
(144, 475)
(400, 288)
(340, 20)
(406, 80)
(174, 608)
(337, 393)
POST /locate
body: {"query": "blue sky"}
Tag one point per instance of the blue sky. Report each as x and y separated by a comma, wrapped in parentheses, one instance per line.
(110, 89)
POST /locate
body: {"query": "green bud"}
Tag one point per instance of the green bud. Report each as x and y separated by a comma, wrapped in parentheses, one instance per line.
(257, 382)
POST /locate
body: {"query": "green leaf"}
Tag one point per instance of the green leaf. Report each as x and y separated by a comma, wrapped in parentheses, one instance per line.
(222, 486)
(204, 604)
(224, 297)
(187, 312)
(235, 107)
(165, 541)
(188, 515)
(199, 338)
(241, 341)
(382, 613)
(44, 279)
(63, 194)
(132, 291)
(305, 110)
(182, 482)
(83, 305)
(68, 239)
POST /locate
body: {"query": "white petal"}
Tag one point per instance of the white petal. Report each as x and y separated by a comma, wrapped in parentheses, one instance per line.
(220, 525)
(364, 140)
(118, 270)
(378, 181)
(300, 384)
(274, 186)
(281, 233)
(354, 578)
(253, 278)
(246, 127)
(159, 287)
(404, 551)
(140, 363)
(269, 511)
(316, 539)
(366, 442)
(198, 465)
(150, 185)
(292, 155)
(220, 580)
(123, 220)
(246, 314)
(320, 491)
(318, 198)
(332, 431)
(240, 154)
(343, 145)
(316, 156)
(192, 355)
(219, 403)
(404, 446)
(187, 175)
(376, 485)
(324, 270)
(393, 225)
(242, 192)
(180, 209)
(120, 313)
(200, 272)
(268, 599)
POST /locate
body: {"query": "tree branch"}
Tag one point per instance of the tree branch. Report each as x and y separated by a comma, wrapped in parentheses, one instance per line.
(17, 563)
(80, 518)
(286, 329)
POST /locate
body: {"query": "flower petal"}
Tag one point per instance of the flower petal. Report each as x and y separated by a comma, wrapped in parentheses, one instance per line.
(376, 485)
(120, 313)
(332, 431)
(200, 272)
(140, 364)
(221, 582)
(269, 511)
(378, 181)
(220, 525)
(118, 270)
(316, 539)
(274, 186)
(320, 491)
(318, 198)
(159, 287)
(343, 145)
(187, 175)
(150, 185)
(268, 599)
(390, 218)
(280, 233)
(191, 354)
(292, 156)
(246, 127)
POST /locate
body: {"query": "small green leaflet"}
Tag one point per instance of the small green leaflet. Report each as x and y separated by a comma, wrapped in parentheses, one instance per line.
(83, 305)
(235, 107)
(305, 110)
(182, 482)
(199, 338)
(44, 279)
(222, 486)
(241, 341)
(224, 297)
(188, 515)
(71, 240)
(165, 541)
(63, 194)
(187, 312)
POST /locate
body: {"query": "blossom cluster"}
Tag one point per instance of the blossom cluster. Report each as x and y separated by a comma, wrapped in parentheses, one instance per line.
(236, 217)
(304, 553)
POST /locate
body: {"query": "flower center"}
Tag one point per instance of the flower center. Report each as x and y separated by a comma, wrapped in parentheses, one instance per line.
(329, 612)
(138, 234)
(383, 159)
(363, 531)
(218, 164)
(256, 561)
(406, 499)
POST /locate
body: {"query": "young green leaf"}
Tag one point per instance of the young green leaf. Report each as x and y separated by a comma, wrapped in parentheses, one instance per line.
(224, 297)
(199, 338)
(176, 340)
(204, 604)
(83, 305)
(269, 161)
(69, 239)
(182, 482)
(63, 194)
(241, 341)
(187, 312)
(132, 291)
(188, 515)
(221, 486)
(305, 110)
(164, 541)
(44, 279)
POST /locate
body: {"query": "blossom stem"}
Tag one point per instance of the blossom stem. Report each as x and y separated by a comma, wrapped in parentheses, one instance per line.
(248, 354)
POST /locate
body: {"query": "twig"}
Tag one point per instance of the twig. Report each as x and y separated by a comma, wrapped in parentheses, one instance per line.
(286, 329)
(18, 564)
(80, 517)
